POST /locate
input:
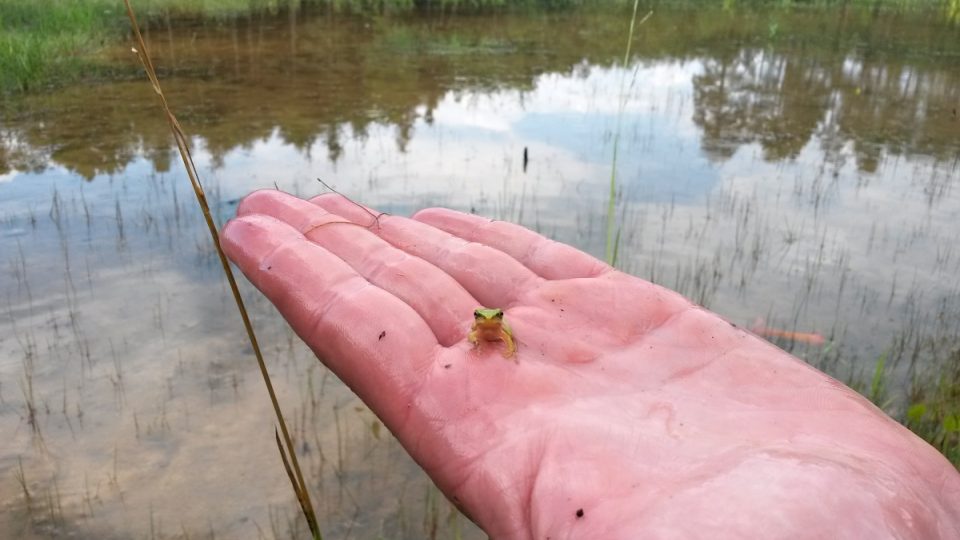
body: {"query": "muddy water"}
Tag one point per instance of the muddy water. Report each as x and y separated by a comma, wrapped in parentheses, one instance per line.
(796, 167)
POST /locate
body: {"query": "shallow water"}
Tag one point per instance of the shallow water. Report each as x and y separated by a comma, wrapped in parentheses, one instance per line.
(798, 167)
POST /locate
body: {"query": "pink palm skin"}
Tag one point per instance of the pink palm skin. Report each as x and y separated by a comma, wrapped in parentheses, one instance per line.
(629, 413)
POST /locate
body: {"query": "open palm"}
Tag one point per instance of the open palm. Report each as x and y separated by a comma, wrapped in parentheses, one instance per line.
(629, 412)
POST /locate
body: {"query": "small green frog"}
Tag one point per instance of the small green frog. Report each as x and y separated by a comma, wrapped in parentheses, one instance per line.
(488, 325)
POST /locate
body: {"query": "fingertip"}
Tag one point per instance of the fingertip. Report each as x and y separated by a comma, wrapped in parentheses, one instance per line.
(324, 197)
(232, 234)
(255, 201)
(437, 213)
(346, 208)
(248, 239)
(332, 202)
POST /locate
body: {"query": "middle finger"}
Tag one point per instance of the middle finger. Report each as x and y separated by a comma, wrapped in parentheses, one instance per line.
(437, 297)
(490, 275)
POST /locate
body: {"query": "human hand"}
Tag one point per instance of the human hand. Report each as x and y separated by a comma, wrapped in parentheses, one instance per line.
(629, 412)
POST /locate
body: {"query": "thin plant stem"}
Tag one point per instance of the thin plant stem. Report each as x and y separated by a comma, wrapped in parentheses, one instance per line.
(299, 485)
(611, 247)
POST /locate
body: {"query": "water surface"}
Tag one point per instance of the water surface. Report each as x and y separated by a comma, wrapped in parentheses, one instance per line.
(797, 167)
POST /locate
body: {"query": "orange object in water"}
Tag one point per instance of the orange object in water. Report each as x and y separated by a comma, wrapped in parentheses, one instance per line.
(812, 338)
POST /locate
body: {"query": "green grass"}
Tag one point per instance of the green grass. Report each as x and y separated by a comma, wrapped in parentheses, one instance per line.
(934, 411)
(44, 42)
(932, 406)
(39, 36)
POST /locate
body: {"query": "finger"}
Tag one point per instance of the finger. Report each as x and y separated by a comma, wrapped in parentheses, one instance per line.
(490, 275)
(372, 340)
(545, 257)
(433, 294)
(283, 207)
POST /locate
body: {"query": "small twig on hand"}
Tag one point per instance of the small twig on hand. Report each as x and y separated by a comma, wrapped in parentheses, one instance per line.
(376, 217)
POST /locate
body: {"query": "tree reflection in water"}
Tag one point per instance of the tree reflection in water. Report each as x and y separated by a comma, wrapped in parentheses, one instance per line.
(880, 82)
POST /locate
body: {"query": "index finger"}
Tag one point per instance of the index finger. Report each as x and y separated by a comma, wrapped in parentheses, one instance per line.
(372, 340)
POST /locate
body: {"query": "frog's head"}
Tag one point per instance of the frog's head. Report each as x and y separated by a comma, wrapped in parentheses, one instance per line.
(484, 315)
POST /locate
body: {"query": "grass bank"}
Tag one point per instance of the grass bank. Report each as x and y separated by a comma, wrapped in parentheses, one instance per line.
(45, 42)
(50, 42)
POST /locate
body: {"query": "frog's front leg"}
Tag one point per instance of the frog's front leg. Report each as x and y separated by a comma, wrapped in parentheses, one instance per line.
(511, 346)
(474, 337)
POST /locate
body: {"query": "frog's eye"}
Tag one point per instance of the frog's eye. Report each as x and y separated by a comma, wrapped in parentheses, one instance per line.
(498, 314)
(477, 314)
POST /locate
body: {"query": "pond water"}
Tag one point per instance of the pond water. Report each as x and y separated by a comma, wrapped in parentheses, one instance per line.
(792, 170)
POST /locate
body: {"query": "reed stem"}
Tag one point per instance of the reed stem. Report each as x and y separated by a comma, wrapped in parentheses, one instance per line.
(613, 242)
(299, 485)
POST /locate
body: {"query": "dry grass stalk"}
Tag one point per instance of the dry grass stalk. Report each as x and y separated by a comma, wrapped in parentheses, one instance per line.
(296, 479)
